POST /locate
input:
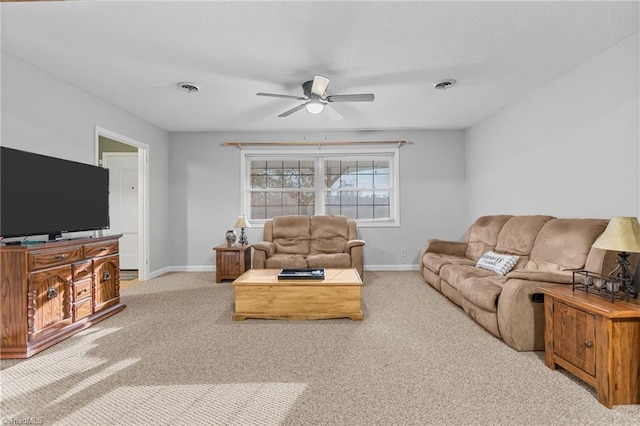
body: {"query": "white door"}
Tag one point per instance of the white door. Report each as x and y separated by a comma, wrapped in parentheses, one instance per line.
(123, 203)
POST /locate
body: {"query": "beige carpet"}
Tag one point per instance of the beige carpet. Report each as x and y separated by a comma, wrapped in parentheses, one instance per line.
(174, 356)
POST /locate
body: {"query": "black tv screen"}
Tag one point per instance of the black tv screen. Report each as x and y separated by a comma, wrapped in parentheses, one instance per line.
(47, 195)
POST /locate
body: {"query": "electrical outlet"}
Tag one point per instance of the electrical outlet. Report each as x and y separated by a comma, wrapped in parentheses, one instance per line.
(403, 252)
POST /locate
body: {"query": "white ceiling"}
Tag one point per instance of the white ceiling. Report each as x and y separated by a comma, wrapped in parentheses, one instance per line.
(132, 54)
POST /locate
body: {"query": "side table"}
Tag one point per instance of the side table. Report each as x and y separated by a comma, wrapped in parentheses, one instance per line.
(595, 340)
(232, 261)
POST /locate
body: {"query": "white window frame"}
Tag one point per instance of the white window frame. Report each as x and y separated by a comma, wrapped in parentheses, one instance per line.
(318, 156)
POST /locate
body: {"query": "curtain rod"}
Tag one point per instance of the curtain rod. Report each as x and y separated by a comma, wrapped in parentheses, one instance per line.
(240, 145)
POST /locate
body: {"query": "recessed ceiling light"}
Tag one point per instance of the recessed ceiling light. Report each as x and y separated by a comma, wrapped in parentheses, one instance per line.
(188, 87)
(445, 84)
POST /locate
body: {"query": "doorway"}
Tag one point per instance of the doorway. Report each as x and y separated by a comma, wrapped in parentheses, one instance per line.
(123, 204)
(126, 160)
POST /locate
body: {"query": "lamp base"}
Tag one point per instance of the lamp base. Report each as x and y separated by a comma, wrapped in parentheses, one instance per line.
(243, 240)
(623, 272)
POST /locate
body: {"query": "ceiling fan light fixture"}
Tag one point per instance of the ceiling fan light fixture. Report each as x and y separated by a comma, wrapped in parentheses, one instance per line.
(314, 107)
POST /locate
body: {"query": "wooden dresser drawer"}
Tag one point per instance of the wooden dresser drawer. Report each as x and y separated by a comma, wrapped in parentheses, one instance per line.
(82, 289)
(82, 270)
(49, 258)
(82, 309)
(100, 249)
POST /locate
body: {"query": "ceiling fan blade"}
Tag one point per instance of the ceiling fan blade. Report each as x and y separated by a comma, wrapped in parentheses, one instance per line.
(320, 84)
(368, 97)
(273, 95)
(291, 111)
(332, 113)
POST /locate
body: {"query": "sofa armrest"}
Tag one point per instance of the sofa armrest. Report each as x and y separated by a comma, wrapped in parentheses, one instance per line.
(353, 243)
(557, 277)
(456, 248)
(267, 247)
(261, 252)
(521, 314)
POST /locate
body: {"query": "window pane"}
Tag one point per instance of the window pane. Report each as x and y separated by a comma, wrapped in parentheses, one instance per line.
(348, 181)
(350, 212)
(381, 198)
(307, 198)
(365, 212)
(258, 199)
(365, 181)
(274, 211)
(381, 212)
(335, 210)
(365, 167)
(290, 210)
(381, 181)
(365, 198)
(349, 198)
(381, 167)
(258, 181)
(290, 198)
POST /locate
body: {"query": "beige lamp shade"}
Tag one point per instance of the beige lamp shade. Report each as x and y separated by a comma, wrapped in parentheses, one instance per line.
(622, 234)
(242, 222)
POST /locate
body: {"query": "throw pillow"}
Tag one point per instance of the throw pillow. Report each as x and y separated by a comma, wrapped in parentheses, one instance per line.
(498, 263)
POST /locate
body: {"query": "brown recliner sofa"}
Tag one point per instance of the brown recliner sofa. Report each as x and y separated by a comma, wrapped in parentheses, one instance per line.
(511, 306)
(320, 241)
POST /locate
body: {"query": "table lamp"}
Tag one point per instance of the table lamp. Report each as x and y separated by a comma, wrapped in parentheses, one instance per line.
(242, 223)
(621, 235)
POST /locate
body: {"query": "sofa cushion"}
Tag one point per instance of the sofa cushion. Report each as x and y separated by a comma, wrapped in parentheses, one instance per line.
(519, 233)
(455, 274)
(482, 236)
(291, 234)
(498, 263)
(483, 292)
(335, 260)
(435, 261)
(564, 244)
(329, 234)
(278, 261)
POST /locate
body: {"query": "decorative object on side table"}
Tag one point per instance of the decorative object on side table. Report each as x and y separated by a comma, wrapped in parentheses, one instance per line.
(230, 236)
(606, 286)
(242, 223)
(621, 235)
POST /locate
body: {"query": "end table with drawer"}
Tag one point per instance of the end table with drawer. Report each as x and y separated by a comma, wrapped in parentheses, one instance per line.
(232, 261)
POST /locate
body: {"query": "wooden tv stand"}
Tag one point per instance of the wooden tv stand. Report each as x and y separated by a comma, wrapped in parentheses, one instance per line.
(53, 290)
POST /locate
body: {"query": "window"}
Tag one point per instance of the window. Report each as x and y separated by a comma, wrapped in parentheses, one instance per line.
(359, 186)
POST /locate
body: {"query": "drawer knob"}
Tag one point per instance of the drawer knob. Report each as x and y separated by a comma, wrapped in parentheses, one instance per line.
(104, 248)
(59, 256)
(106, 276)
(52, 293)
(587, 344)
(84, 290)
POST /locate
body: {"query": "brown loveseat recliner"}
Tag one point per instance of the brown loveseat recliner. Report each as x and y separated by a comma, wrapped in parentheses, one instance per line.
(511, 306)
(309, 242)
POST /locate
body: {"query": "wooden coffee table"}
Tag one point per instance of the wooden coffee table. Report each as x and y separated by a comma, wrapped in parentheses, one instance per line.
(259, 294)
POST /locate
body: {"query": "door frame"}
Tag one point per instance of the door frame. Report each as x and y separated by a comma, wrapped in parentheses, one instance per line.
(143, 193)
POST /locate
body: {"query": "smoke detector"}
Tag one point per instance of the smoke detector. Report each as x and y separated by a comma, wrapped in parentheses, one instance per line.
(445, 84)
(188, 87)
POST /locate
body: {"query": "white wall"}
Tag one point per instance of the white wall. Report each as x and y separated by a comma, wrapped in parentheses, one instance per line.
(205, 193)
(43, 114)
(569, 149)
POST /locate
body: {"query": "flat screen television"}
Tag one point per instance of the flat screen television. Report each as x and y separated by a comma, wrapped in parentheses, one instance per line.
(42, 195)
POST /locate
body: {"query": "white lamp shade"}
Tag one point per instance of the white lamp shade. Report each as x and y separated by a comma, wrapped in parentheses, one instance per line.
(622, 234)
(242, 222)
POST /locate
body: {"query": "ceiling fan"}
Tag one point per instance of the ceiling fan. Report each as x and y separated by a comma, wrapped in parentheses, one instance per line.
(317, 100)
